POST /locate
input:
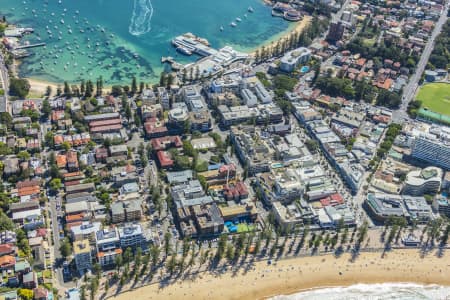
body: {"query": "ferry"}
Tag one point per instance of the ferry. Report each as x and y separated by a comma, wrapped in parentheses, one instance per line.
(184, 50)
(232, 24)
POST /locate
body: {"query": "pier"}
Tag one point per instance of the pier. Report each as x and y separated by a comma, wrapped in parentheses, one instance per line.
(17, 32)
(30, 46)
(167, 59)
(191, 43)
(170, 60)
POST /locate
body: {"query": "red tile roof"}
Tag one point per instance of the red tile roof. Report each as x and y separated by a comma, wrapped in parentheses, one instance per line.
(164, 159)
(7, 261)
(167, 142)
(61, 160)
(6, 249)
(105, 122)
(106, 128)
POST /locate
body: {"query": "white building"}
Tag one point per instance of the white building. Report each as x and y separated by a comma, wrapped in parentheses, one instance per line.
(294, 58)
(263, 94)
(249, 98)
(419, 182)
(432, 150)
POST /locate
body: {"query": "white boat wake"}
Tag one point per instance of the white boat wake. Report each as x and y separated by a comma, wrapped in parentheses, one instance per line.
(141, 18)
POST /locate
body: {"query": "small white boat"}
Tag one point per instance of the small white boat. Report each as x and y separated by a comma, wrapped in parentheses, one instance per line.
(250, 9)
(221, 28)
(238, 19)
(62, 21)
(232, 24)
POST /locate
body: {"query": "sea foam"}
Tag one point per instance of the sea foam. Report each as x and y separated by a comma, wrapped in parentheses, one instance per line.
(141, 18)
(382, 291)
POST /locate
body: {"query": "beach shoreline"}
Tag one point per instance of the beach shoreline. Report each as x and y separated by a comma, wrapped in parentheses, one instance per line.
(297, 27)
(39, 86)
(294, 275)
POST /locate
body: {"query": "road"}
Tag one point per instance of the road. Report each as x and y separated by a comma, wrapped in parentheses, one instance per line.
(337, 16)
(410, 89)
(4, 80)
(57, 258)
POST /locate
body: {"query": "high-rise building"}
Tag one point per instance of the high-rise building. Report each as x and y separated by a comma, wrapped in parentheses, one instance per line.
(82, 253)
(335, 32)
(431, 150)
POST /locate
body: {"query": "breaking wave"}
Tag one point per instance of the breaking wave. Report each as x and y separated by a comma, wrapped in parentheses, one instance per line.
(141, 18)
(384, 291)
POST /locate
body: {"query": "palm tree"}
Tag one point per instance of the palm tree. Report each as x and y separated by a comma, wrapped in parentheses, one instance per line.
(167, 246)
(154, 254)
(171, 264)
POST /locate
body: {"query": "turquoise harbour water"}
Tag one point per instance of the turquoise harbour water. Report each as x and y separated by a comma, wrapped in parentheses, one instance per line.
(118, 39)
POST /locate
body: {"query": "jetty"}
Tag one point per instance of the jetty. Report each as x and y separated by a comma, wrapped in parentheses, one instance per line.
(170, 60)
(17, 31)
(30, 46)
(167, 59)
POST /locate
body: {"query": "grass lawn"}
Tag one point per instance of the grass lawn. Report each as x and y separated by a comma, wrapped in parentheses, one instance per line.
(242, 227)
(47, 274)
(369, 42)
(435, 97)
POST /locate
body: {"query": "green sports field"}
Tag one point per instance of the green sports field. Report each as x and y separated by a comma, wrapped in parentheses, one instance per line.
(435, 97)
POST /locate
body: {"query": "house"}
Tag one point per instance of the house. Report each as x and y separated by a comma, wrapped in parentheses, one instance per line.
(7, 262)
(29, 188)
(72, 161)
(21, 267)
(29, 280)
(7, 249)
(118, 150)
(39, 258)
(10, 295)
(10, 166)
(101, 154)
(82, 187)
(41, 294)
(61, 161)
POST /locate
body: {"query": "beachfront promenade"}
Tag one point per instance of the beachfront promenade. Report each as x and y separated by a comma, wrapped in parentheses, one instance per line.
(339, 266)
(256, 279)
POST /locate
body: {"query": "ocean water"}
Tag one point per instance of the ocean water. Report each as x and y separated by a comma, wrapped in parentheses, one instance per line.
(118, 39)
(384, 291)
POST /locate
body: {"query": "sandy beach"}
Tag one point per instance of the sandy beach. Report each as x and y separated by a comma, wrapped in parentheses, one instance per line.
(298, 27)
(39, 87)
(293, 275)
